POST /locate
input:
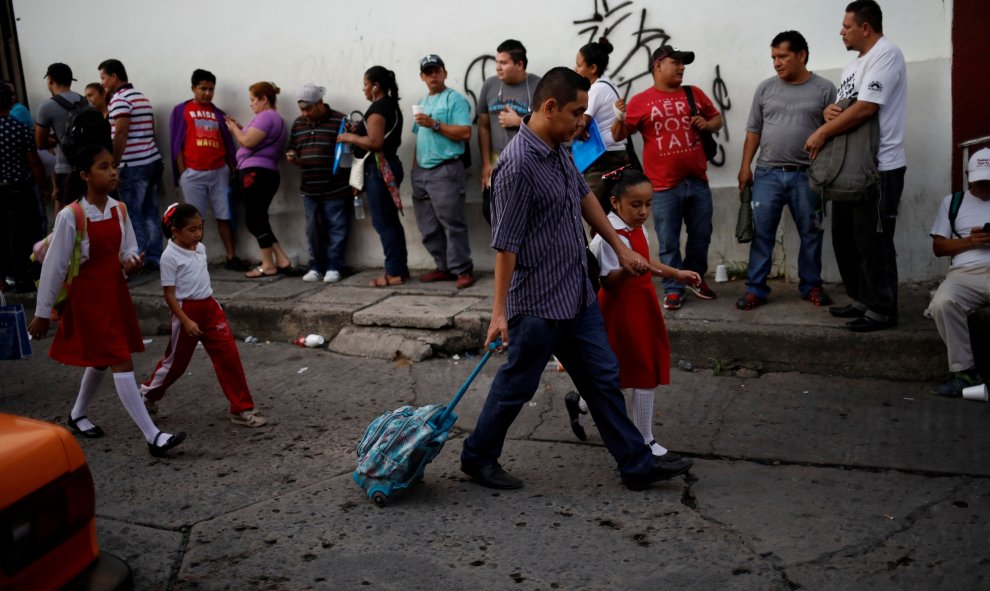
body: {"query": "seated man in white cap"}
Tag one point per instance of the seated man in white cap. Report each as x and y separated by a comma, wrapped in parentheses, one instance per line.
(326, 196)
(962, 231)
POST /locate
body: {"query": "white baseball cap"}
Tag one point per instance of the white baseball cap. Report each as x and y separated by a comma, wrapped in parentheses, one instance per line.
(979, 166)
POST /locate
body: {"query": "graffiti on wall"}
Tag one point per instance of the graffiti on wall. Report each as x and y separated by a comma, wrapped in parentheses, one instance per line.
(634, 38)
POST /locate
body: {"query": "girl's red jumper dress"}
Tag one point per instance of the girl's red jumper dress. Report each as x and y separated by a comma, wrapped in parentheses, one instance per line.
(635, 326)
(99, 326)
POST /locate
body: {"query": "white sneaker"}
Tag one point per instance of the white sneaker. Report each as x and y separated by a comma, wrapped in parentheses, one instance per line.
(248, 418)
(312, 275)
(331, 277)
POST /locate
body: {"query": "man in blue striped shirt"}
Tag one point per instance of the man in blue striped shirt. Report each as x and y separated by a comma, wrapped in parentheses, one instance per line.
(544, 302)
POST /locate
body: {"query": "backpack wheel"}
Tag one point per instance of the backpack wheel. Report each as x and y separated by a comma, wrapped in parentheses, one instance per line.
(380, 499)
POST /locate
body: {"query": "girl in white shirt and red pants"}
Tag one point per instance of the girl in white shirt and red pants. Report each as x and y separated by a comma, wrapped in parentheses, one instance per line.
(196, 317)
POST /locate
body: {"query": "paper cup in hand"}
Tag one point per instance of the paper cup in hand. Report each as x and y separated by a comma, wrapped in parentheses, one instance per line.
(418, 110)
(976, 393)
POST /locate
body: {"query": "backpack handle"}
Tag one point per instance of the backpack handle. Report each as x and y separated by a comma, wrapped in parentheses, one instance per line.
(442, 418)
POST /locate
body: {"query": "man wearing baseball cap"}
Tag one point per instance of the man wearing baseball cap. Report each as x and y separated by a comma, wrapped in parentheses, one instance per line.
(674, 160)
(53, 121)
(443, 128)
(325, 195)
(965, 237)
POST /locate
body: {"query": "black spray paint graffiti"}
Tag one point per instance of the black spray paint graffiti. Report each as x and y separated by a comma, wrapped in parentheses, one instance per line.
(612, 21)
(644, 40)
(477, 73)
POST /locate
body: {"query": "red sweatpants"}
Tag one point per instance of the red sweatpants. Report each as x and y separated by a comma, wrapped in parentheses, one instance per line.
(220, 346)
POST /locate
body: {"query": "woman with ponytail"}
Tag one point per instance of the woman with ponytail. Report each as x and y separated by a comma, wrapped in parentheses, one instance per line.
(262, 144)
(591, 62)
(380, 134)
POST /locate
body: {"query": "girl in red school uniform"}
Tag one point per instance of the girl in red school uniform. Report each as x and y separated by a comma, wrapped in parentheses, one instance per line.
(196, 317)
(98, 327)
(630, 307)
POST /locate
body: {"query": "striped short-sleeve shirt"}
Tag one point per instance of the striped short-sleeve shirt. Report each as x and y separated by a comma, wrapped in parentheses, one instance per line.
(536, 214)
(127, 101)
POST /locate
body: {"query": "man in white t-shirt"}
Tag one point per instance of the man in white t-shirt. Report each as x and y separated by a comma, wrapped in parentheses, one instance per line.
(863, 231)
(967, 241)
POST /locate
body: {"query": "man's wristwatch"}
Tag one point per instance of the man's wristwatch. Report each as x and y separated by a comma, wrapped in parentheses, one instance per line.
(436, 126)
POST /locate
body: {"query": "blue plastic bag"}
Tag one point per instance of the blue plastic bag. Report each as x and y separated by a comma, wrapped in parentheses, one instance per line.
(14, 342)
(587, 151)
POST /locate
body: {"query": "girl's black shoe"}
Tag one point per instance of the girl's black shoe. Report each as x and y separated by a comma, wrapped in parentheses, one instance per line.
(159, 450)
(93, 432)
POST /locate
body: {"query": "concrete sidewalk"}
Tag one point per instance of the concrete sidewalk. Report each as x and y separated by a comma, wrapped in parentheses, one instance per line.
(419, 320)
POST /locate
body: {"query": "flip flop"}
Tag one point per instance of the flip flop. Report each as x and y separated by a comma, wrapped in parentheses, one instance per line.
(259, 273)
(387, 281)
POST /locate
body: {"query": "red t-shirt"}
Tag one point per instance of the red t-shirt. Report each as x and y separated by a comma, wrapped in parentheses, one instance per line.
(204, 148)
(672, 149)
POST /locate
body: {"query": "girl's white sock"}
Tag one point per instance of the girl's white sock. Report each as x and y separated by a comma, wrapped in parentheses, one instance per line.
(87, 389)
(643, 418)
(642, 403)
(583, 407)
(130, 396)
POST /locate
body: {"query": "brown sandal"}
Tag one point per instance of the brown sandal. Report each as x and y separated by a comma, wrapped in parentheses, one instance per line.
(387, 281)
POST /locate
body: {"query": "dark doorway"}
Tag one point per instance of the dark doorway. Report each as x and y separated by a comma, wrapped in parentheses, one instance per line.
(10, 52)
(970, 81)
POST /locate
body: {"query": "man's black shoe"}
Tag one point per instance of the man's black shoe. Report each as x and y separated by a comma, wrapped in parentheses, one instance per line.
(491, 476)
(573, 406)
(867, 324)
(661, 470)
(847, 311)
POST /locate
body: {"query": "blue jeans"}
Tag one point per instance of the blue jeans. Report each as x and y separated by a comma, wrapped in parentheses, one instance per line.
(138, 189)
(385, 216)
(582, 346)
(772, 189)
(328, 223)
(689, 203)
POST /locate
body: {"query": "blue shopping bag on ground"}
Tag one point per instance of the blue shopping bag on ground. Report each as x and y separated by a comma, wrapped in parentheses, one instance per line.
(14, 342)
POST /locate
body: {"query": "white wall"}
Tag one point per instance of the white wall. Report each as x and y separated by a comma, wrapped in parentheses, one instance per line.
(331, 43)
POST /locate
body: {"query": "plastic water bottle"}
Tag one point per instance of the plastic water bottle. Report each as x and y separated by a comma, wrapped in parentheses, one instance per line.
(358, 207)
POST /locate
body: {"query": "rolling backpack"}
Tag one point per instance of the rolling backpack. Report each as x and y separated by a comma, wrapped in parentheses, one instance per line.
(85, 126)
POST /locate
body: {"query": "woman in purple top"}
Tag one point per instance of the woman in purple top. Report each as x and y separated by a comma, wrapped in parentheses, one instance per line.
(262, 145)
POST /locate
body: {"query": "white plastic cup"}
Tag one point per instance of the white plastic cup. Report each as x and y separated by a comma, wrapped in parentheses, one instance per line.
(721, 274)
(418, 110)
(314, 340)
(978, 393)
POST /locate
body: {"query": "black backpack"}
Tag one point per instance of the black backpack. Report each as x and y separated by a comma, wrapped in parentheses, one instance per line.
(954, 205)
(85, 126)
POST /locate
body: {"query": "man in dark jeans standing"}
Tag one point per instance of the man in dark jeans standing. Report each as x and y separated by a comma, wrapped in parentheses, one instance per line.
(543, 300)
(863, 231)
(326, 195)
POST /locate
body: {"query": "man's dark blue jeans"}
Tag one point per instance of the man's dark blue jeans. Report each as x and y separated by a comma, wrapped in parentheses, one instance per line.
(582, 346)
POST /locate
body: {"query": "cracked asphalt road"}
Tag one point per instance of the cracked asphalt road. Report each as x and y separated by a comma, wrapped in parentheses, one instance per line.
(800, 481)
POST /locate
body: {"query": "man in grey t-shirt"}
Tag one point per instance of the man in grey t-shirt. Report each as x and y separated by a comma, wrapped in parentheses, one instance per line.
(52, 121)
(504, 100)
(786, 108)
